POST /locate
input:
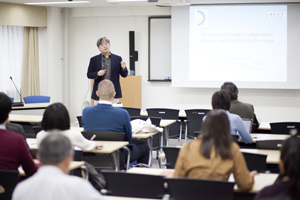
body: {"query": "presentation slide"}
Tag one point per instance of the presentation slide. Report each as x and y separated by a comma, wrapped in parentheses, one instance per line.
(254, 46)
(238, 42)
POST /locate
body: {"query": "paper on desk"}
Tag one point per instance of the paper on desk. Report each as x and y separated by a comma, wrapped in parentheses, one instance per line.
(141, 126)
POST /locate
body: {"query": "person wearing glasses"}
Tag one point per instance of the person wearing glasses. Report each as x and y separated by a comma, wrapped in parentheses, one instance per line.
(106, 65)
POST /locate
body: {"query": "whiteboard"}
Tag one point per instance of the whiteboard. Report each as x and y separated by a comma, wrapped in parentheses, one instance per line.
(159, 49)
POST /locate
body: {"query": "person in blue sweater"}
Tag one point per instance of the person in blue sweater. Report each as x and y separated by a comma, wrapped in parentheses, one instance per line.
(221, 100)
(105, 117)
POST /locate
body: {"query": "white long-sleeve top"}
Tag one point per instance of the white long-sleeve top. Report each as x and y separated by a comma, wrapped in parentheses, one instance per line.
(75, 137)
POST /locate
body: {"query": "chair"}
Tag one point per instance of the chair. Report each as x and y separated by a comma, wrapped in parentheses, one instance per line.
(132, 111)
(171, 156)
(79, 121)
(12, 99)
(107, 136)
(269, 144)
(37, 129)
(8, 180)
(165, 113)
(195, 189)
(194, 121)
(284, 127)
(256, 162)
(134, 185)
(37, 99)
(235, 138)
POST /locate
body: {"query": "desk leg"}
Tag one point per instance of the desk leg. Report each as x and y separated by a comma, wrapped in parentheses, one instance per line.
(150, 144)
(116, 157)
(180, 132)
(167, 136)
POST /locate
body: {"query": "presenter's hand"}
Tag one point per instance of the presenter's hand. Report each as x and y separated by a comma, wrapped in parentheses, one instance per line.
(123, 65)
(101, 72)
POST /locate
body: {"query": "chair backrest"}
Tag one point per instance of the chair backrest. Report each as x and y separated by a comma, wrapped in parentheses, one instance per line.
(8, 180)
(104, 135)
(171, 156)
(166, 113)
(194, 189)
(256, 161)
(235, 138)
(37, 99)
(134, 185)
(194, 120)
(12, 99)
(163, 113)
(132, 111)
(269, 144)
(284, 127)
(36, 129)
(79, 121)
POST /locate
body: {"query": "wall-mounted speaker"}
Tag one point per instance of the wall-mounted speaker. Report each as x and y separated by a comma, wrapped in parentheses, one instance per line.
(133, 55)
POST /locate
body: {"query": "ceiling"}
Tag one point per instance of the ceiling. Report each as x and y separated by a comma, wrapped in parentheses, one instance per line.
(100, 3)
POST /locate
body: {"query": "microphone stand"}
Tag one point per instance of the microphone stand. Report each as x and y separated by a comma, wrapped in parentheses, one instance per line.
(17, 104)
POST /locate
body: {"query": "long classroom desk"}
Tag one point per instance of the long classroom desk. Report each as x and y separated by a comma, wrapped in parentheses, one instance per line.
(30, 106)
(109, 147)
(261, 180)
(273, 156)
(73, 165)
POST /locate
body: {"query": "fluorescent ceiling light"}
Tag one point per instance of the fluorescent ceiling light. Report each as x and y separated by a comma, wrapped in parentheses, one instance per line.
(120, 1)
(61, 2)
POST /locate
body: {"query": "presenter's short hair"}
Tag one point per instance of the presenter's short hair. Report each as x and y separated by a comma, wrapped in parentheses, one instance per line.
(231, 88)
(5, 107)
(101, 40)
(54, 149)
(56, 116)
(221, 100)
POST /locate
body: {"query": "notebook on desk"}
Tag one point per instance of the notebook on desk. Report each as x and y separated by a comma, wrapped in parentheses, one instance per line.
(248, 124)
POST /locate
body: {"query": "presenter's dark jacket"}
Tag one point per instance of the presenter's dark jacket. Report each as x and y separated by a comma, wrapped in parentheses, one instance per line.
(116, 71)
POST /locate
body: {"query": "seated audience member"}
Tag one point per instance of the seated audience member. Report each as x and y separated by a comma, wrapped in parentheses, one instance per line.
(56, 117)
(13, 148)
(287, 186)
(214, 155)
(105, 117)
(221, 100)
(244, 110)
(52, 180)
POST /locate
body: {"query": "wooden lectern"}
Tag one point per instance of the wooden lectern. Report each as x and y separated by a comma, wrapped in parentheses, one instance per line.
(131, 91)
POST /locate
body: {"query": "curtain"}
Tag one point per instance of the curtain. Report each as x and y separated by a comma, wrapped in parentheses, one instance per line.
(30, 69)
(11, 54)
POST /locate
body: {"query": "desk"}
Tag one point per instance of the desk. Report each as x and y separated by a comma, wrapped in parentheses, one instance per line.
(273, 156)
(109, 147)
(73, 165)
(25, 118)
(261, 180)
(264, 126)
(30, 106)
(259, 137)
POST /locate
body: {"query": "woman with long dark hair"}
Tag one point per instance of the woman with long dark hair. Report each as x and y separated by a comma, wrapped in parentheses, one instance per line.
(214, 155)
(56, 117)
(287, 186)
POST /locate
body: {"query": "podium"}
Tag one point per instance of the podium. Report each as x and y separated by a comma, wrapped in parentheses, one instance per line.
(131, 91)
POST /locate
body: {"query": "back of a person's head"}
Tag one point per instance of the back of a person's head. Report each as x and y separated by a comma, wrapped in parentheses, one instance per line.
(215, 131)
(5, 107)
(221, 100)
(231, 88)
(290, 156)
(56, 116)
(54, 149)
(106, 89)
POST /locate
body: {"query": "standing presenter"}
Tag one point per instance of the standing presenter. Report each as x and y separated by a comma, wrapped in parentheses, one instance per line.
(106, 66)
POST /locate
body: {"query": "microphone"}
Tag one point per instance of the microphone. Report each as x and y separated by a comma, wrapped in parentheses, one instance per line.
(17, 104)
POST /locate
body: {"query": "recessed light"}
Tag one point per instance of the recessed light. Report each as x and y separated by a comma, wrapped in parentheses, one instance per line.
(61, 2)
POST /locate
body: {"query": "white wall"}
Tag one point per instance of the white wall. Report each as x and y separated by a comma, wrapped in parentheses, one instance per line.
(88, 24)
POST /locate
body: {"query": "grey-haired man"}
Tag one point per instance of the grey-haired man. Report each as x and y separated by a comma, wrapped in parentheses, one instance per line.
(52, 180)
(106, 66)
